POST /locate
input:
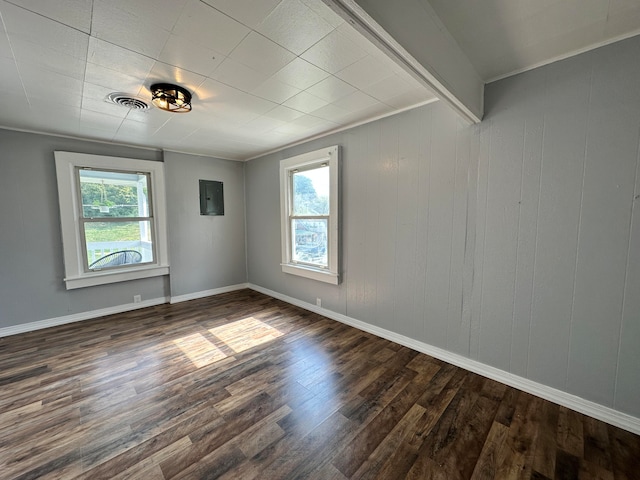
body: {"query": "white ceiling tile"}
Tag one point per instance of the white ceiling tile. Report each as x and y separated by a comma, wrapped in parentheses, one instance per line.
(372, 111)
(331, 112)
(115, 80)
(231, 105)
(307, 121)
(388, 87)
(263, 124)
(163, 13)
(23, 25)
(131, 131)
(261, 54)
(104, 107)
(323, 11)
(173, 131)
(10, 78)
(357, 39)
(135, 44)
(92, 91)
(5, 46)
(410, 98)
(67, 99)
(306, 126)
(331, 89)
(294, 26)
(185, 53)
(57, 118)
(364, 72)
(127, 30)
(269, 141)
(300, 74)
(164, 73)
(118, 58)
(150, 119)
(75, 13)
(290, 129)
(94, 99)
(275, 90)
(305, 102)
(100, 121)
(90, 133)
(357, 101)
(322, 127)
(26, 52)
(236, 142)
(239, 75)
(213, 91)
(283, 113)
(209, 27)
(622, 19)
(19, 116)
(251, 104)
(44, 85)
(334, 53)
(247, 12)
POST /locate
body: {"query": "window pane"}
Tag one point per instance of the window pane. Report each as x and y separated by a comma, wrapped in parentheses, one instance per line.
(310, 241)
(111, 238)
(311, 192)
(113, 194)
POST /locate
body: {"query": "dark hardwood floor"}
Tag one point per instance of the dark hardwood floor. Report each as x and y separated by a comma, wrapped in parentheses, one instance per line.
(243, 386)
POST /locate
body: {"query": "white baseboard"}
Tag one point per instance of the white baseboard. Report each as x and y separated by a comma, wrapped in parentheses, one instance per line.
(78, 317)
(208, 293)
(587, 407)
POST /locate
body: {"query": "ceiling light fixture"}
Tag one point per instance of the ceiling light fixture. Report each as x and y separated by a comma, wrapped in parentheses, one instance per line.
(171, 98)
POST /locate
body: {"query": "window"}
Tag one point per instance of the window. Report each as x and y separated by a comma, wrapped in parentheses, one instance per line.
(309, 208)
(112, 215)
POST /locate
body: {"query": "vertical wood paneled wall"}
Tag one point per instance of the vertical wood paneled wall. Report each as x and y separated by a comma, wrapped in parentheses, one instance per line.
(515, 242)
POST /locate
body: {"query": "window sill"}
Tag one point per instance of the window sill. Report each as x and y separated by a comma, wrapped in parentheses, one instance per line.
(312, 273)
(120, 275)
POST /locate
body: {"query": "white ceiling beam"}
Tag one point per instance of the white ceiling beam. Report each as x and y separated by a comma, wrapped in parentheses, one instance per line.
(410, 33)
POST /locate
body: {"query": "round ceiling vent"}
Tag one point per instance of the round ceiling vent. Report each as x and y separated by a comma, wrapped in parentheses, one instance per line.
(127, 100)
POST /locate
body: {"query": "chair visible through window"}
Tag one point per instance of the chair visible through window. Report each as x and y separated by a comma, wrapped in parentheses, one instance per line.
(123, 257)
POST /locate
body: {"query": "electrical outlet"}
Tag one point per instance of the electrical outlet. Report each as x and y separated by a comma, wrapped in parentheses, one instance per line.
(137, 298)
(319, 302)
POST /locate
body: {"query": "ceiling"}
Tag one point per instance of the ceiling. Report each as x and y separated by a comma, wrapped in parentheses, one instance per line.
(504, 37)
(264, 73)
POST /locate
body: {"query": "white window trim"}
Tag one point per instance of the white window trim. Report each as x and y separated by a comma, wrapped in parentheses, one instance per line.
(75, 275)
(331, 156)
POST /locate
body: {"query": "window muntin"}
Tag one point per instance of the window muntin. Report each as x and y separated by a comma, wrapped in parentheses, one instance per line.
(309, 207)
(115, 216)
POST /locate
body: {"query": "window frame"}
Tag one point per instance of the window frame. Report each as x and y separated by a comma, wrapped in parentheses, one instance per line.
(307, 161)
(77, 273)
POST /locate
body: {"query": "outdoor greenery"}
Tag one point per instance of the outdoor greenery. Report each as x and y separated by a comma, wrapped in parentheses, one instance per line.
(107, 200)
(112, 232)
(306, 200)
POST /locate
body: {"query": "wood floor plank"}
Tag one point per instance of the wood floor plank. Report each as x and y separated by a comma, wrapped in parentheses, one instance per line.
(625, 448)
(487, 465)
(570, 432)
(244, 386)
(544, 457)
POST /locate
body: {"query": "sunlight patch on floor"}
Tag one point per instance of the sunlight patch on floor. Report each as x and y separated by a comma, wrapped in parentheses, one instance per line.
(244, 334)
(200, 351)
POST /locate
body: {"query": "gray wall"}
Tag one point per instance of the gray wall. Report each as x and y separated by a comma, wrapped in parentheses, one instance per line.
(515, 242)
(206, 252)
(31, 264)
